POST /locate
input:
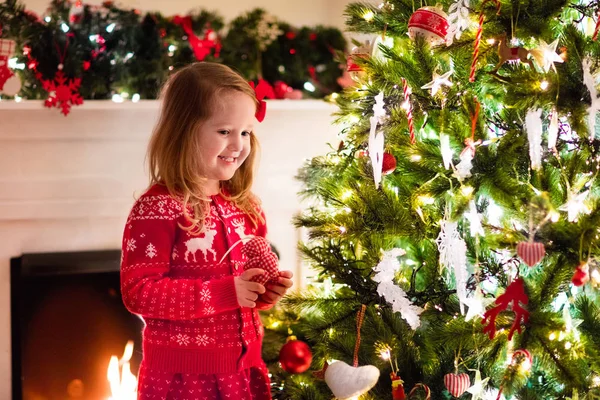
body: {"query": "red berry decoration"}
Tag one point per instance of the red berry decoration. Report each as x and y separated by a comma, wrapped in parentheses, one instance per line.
(581, 275)
(260, 255)
(389, 164)
(295, 356)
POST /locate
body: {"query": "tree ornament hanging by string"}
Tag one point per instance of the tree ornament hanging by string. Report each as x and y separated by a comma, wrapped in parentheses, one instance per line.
(575, 205)
(446, 150)
(347, 381)
(531, 252)
(392, 293)
(581, 275)
(533, 124)
(423, 387)
(590, 84)
(515, 294)
(457, 384)
(408, 107)
(397, 388)
(430, 23)
(478, 389)
(545, 55)
(295, 356)
(512, 54)
(478, 35)
(358, 52)
(553, 129)
(477, 305)
(458, 20)
(389, 163)
(453, 256)
(463, 168)
(376, 139)
(438, 81)
(474, 218)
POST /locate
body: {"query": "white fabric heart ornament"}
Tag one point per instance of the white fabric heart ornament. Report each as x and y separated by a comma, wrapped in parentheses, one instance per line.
(346, 381)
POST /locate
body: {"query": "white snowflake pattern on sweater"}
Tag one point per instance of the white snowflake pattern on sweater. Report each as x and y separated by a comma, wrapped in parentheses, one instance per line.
(151, 251)
(209, 310)
(181, 339)
(131, 245)
(204, 340)
(205, 294)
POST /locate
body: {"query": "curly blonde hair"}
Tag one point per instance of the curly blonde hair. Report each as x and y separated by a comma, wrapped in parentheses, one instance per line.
(188, 100)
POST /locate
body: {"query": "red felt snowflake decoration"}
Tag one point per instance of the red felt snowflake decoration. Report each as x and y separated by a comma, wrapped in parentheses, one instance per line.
(515, 294)
(62, 92)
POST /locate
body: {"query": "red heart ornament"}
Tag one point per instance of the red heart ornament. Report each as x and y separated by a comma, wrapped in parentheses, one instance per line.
(457, 384)
(531, 252)
(260, 255)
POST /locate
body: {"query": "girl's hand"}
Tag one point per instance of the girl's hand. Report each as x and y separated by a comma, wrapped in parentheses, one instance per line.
(246, 291)
(275, 291)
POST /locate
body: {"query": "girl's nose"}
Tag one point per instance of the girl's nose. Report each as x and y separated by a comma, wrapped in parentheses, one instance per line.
(235, 142)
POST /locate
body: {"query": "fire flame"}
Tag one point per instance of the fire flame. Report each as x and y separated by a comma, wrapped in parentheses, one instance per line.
(123, 384)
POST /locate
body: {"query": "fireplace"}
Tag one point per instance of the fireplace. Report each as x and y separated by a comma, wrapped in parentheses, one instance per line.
(67, 321)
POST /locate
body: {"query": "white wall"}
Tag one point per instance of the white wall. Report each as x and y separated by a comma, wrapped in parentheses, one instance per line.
(68, 183)
(306, 12)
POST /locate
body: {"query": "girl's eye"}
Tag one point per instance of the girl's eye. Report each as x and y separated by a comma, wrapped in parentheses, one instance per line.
(224, 132)
(246, 133)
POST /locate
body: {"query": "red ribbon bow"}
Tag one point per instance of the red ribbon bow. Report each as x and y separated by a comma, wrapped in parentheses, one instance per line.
(201, 47)
(262, 90)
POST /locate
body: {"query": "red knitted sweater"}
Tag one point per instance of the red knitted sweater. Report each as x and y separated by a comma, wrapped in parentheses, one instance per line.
(187, 299)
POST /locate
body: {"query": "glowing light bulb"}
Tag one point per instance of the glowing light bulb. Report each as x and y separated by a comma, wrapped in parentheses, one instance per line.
(368, 16)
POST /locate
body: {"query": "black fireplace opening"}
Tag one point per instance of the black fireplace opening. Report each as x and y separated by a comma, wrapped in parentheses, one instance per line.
(67, 320)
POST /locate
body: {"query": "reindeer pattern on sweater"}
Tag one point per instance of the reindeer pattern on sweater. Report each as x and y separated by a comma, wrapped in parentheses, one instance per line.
(175, 280)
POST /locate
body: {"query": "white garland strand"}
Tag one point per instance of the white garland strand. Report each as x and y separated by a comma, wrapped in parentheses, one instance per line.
(533, 124)
(458, 20)
(453, 256)
(376, 140)
(384, 276)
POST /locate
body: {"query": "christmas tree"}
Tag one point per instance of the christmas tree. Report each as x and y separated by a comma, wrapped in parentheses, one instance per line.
(454, 231)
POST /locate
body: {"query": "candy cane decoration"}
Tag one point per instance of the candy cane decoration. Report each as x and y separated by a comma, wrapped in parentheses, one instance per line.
(478, 38)
(408, 108)
(424, 387)
(597, 27)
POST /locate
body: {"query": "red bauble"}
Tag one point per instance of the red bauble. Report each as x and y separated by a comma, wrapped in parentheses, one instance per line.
(429, 22)
(295, 357)
(389, 164)
(581, 275)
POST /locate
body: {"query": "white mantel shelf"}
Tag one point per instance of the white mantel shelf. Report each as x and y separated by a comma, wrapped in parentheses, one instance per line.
(306, 104)
(67, 183)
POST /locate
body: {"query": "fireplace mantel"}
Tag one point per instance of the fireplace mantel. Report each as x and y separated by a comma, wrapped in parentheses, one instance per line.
(68, 183)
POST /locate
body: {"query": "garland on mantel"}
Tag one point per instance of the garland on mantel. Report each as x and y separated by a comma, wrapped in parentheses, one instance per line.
(76, 51)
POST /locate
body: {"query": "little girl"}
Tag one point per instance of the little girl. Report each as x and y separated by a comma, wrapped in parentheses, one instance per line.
(203, 335)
